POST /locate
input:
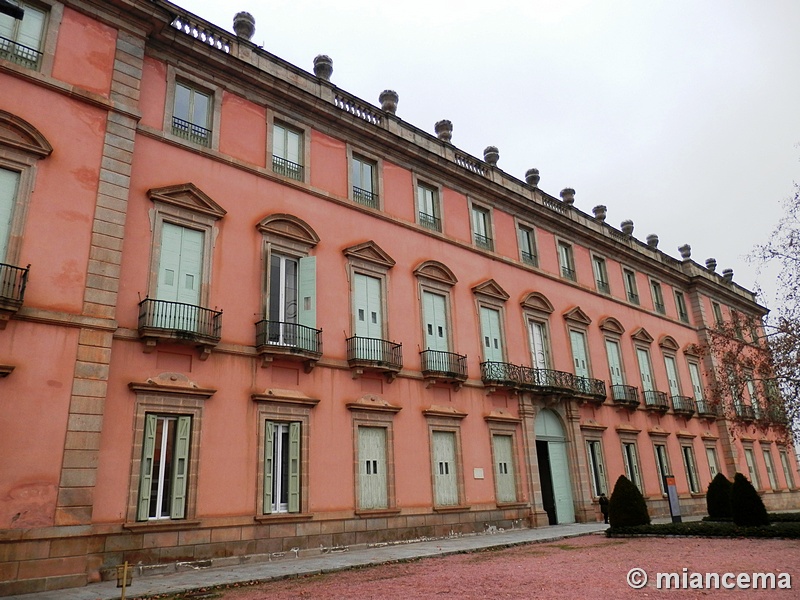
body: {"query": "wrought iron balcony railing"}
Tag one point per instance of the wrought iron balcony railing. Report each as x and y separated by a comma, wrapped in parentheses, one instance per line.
(633, 298)
(482, 241)
(179, 321)
(744, 411)
(287, 168)
(530, 259)
(500, 374)
(596, 388)
(626, 395)
(776, 413)
(281, 338)
(190, 131)
(444, 365)
(603, 287)
(660, 308)
(13, 281)
(365, 197)
(19, 54)
(546, 381)
(430, 221)
(374, 353)
(683, 405)
(568, 273)
(705, 409)
(654, 400)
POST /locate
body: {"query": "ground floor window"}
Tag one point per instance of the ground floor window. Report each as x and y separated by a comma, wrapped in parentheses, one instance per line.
(691, 469)
(164, 468)
(787, 469)
(630, 458)
(372, 468)
(505, 482)
(445, 474)
(594, 451)
(282, 467)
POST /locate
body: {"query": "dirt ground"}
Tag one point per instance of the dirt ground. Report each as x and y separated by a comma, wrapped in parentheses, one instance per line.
(586, 567)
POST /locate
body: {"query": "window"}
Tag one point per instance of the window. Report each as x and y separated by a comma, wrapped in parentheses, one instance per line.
(672, 375)
(281, 467)
(631, 462)
(597, 473)
(750, 459)
(680, 303)
(191, 114)
(527, 246)
(287, 151)
(662, 465)
(363, 181)
(615, 369)
(645, 369)
(482, 228)
(773, 480)
(537, 333)
(717, 313)
(691, 469)
(750, 386)
(21, 41)
(504, 471)
(372, 468)
(566, 261)
(697, 388)
(9, 184)
(737, 324)
(580, 359)
(713, 465)
(754, 335)
(445, 468)
(658, 297)
(368, 306)
(164, 467)
(787, 469)
(629, 278)
(491, 334)
(428, 210)
(601, 274)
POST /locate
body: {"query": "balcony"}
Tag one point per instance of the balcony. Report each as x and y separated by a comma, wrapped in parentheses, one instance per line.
(625, 395)
(443, 366)
(365, 197)
(483, 242)
(633, 298)
(500, 375)
(19, 54)
(776, 413)
(162, 320)
(593, 390)
(744, 412)
(660, 308)
(13, 281)
(372, 354)
(190, 131)
(290, 341)
(568, 273)
(287, 168)
(546, 381)
(430, 221)
(705, 410)
(603, 287)
(683, 405)
(529, 259)
(656, 401)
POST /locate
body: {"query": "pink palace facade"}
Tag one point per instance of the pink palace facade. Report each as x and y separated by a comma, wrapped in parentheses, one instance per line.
(243, 311)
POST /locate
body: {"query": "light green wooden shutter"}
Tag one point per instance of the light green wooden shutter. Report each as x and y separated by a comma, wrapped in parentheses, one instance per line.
(269, 467)
(490, 330)
(294, 467)
(9, 182)
(614, 363)
(180, 468)
(307, 300)
(444, 468)
(146, 473)
(372, 467)
(644, 369)
(30, 30)
(434, 307)
(672, 376)
(562, 485)
(504, 468)
(537, 337)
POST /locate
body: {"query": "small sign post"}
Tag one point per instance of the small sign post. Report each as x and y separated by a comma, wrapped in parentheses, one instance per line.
(672, 494)
(124, 578)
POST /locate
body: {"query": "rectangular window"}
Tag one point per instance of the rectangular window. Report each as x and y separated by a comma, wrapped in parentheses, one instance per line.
(287, 152)
(282, 468)
(773, 480)
(537, 332)
(697, 388)
(632, 292)
(680, 303)
(481, 228)
(566, 261)
(191, 114)
(445, 476)
(180, 277)
(672, 375)
(164, 468)
(428, 207)
(21, 40)
(505, 482)
(372, 468)
(750, 458)
(713, 465)
(645, 369)
(9, 184)
(527, 246)
(615, 369)
(662, 465)
(787, 469)
(597, 471)
(691, 469)
(717, 313)
(363, 179)
(491, 334)
(631, 462)
(658, 297)
(368, 306)
(601, 274)
(291, 301)
(750, 386)
(434, 315)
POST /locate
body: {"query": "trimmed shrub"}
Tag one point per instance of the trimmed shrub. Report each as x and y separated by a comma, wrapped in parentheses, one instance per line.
(718, 498)
(709, 529)
(626, 506)
(747, 507)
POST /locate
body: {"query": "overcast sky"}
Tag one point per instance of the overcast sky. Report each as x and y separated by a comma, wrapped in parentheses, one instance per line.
(683, 116)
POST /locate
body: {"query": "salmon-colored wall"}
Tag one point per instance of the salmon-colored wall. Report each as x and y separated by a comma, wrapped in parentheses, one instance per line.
(243, 130)
(329, 164)
(399, 191)
(85, 53)
(153, 96)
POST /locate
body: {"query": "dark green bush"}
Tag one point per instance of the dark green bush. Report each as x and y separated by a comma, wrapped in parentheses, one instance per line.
(747, 507)
(718, 498)
(626, 506)
(787, 530)
(787, 517)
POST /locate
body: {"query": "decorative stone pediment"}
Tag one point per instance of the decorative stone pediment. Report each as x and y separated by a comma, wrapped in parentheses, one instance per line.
(668, 343)
(432, 269)
(576, 315)
(492, 289)
(537, 302)
(448, 412)
(370, 252)
(290, 227)
(171, 383)
(611, 325)
(280, 396)
(641, 335)
(500, 415)
(20, 134)
(375, 403)
(187, 196)
(692, 350)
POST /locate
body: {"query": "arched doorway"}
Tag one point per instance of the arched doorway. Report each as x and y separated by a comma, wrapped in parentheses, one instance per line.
(554, 479)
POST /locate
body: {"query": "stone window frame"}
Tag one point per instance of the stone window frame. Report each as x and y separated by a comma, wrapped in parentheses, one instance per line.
(177, 74)
(632, 295)
(786, 468)
(490, 295)
(436, 278)
(418, 181)
(519, 225)
(627, 434)
(612, 332)
(656, 284)
(766, 451)
(570, 258)
(304, 130)
(687, 442)
(578, 321)
(716, 311)
(169, 394)
(371, 260)
(669, 348)
(488, 210)
(54, 15)
(509, 427)
(537, 308)
(757, 484)
(448, 421)
(659, 438)
(284, 407)
(642, 340)
(711, 445)
(377, 161)
(594, 434)
(595, 256)
(683, 317)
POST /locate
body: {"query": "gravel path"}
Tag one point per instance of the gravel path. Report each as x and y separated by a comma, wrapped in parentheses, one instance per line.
(587, 567)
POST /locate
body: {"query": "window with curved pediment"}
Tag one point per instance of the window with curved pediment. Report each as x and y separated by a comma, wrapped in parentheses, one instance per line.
(536, 309)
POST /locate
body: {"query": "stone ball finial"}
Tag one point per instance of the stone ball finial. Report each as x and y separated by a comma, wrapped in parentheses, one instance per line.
(323, 67)
(532, 177)
(600, 212)
(491, 155)
(444, 130)
(686, 251)
(727, 275)
(627, 227)
(244, 25)
(568, 196)
(711, 264)
(652, 241)
(389, 100)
